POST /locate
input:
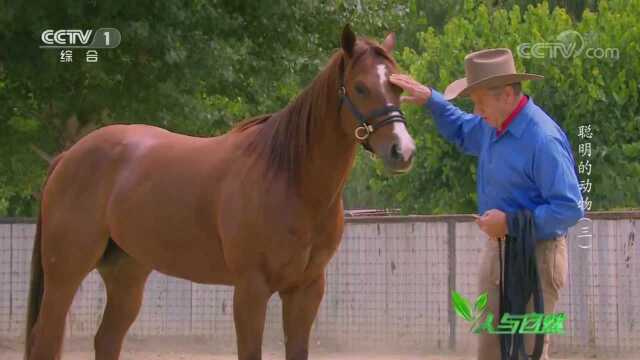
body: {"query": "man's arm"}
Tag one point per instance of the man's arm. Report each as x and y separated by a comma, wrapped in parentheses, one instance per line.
(555, 176)
(462, 129)
(466, 131)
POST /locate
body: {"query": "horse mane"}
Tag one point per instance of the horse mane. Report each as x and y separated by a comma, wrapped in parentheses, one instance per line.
(284, 137)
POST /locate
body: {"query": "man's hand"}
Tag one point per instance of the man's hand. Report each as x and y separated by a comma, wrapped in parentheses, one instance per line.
(493, 223)
(418, 93)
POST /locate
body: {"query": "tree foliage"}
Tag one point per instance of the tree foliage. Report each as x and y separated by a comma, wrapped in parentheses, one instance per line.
(194, 67)
(578, 91)
(198, 66)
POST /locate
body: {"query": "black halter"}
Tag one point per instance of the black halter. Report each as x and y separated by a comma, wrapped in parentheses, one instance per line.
(362, 132)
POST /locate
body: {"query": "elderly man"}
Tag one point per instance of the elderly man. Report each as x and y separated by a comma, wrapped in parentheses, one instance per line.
(525, 162)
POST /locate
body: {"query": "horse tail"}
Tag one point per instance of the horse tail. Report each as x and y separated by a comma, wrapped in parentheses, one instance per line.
(36, 284)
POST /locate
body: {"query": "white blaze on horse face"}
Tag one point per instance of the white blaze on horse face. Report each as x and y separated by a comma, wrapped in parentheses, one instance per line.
(405, 143)
(382, 78)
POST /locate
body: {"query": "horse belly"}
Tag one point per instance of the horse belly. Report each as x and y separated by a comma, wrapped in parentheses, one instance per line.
(176, 252)
(168, 225)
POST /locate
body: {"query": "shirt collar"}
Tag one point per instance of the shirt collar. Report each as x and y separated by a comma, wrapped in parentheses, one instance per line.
(505, 124)
(518, 117)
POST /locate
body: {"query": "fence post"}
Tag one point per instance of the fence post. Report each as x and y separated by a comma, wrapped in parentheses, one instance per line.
(451, 242)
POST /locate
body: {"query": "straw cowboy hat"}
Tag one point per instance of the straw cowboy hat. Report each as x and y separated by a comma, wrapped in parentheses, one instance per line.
(487, 68)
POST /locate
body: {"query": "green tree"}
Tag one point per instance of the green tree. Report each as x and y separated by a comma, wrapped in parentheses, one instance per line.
(578, 90)
(195, 67)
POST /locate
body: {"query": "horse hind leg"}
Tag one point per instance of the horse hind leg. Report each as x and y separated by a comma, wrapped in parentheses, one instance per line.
(48, 332)
(66, 259)
(124, 280)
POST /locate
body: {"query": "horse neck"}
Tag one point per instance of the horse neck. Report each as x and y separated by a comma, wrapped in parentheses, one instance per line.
(331, 155)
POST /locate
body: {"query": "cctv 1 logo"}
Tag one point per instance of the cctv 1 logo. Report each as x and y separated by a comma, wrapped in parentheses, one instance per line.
(103, 38)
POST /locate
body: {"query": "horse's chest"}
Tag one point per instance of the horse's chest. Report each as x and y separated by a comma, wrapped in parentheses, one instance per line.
(303, 265)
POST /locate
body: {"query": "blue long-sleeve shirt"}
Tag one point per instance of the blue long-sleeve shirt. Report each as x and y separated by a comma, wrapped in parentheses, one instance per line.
(530, 166)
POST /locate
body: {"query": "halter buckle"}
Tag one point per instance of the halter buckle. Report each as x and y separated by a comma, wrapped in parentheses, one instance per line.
(366, 128)
(342, 91)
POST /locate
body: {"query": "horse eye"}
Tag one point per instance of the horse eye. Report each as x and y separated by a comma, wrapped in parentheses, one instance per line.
(361, 90)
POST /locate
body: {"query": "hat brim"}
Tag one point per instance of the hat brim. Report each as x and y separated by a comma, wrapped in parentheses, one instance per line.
(460, 87)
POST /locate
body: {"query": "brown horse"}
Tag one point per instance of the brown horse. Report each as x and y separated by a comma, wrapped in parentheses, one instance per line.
(258, 208)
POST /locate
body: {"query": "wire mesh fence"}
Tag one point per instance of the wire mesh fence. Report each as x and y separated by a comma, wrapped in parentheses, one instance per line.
(388, 287)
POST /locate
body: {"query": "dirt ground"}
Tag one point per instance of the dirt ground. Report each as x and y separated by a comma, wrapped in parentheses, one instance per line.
(197, 349)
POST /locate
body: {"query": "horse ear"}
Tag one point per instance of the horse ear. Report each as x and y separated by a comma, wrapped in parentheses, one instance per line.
(348, 40)
(389, 43)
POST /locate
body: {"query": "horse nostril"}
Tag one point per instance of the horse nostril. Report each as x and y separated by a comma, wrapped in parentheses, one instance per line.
(410, 157)
(395, 152)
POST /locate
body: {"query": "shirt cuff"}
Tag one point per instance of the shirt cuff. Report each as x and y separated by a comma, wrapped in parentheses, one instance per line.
(435, 102)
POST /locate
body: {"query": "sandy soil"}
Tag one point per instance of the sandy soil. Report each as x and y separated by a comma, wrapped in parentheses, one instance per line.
(199, 349)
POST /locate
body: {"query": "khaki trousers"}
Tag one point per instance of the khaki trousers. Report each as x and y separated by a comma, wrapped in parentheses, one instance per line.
(551, 257)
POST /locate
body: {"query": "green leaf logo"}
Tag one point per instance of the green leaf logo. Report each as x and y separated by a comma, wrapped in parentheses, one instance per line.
(481, 304)
(462, 306)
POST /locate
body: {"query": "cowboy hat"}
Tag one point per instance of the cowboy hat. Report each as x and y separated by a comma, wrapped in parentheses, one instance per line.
(487, 68)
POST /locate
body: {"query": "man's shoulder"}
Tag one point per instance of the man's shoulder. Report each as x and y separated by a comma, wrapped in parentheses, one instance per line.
(543, 128)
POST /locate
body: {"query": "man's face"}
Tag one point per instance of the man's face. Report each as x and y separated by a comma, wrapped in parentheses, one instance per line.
(492, 105)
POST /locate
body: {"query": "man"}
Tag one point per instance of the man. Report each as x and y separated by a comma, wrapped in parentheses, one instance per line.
(525, 162)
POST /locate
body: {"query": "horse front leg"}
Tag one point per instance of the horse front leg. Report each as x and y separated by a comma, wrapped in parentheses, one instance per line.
(250, 298)
(299, 309)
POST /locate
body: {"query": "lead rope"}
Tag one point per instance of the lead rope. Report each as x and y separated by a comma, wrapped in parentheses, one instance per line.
(503, 350)
(537, 298)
